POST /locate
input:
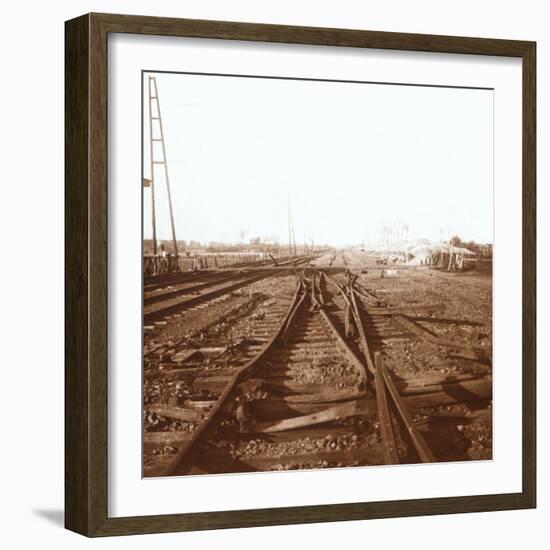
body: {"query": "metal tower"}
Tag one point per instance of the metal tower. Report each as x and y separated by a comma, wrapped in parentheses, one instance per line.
(156, 134)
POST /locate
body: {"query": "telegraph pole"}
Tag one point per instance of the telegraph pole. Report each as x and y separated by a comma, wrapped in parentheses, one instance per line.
(154, 97)
(289, 232)
(291, 236)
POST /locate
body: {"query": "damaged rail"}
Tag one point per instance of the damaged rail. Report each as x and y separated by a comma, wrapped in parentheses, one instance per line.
(282, 394)
(323, 406)
(385, 387)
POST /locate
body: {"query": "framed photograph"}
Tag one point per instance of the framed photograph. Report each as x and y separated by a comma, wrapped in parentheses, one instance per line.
(300, 274)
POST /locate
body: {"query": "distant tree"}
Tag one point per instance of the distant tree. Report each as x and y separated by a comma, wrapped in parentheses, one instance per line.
(470, 245)
(455, 241)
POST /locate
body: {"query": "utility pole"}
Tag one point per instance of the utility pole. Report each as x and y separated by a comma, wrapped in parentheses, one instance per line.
(291, 236)
(289, 232)
(155, 115)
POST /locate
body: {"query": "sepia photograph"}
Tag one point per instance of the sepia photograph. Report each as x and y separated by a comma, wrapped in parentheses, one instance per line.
(317, 273)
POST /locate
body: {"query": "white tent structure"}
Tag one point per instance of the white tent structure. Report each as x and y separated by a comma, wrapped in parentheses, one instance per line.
(425, 252)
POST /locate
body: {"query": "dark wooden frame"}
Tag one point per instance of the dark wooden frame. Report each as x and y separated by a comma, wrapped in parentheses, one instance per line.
(86, 273)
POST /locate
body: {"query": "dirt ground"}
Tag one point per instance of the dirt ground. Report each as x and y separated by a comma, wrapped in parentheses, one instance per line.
(224, 322)
(461, 432)
(464, 316)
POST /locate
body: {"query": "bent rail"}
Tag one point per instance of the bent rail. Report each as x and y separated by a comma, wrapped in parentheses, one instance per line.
(183, 459)
(384, 386)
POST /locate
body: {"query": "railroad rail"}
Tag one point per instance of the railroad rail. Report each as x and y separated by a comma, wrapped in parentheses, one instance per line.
(163, 280)
(192, 279)
(172, 304)
(173, 291)
(159, 292)
(308, 388)
(385, 386)
(162, 300)
(290, 385)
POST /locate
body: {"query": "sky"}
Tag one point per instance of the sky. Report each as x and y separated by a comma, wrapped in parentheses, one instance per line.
(346, 157)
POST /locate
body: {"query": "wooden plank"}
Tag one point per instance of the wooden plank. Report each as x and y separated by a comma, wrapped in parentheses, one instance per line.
(190, 373)
(391, 339)
(468, 415)
(211, 383)
(320, 396)
(274, 408)
(449, 397)
(274, 383)
(412, 309)
(475, 388)
(302, 392)
(165, 438)
(217, 350)
(191, 404)
(344, 410)
(169, 373)
(433, 379)
(184, 355)
(178, 413)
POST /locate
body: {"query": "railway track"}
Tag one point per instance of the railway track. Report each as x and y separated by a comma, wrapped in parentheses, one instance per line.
(167, 282)
(159, 283)
(164, 301)
(187, 285)
(305, 390)
(170, 293)
(162, 292)
(175, 304)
